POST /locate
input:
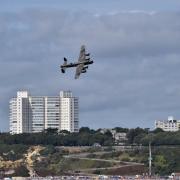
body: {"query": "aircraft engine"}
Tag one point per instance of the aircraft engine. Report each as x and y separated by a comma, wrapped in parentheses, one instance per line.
(87, 59)
(83, 70)
(88, 54)
(85, 67)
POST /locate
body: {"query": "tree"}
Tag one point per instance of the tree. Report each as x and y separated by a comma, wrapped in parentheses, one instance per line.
(121, 130)
(158, 130)
(160, 164)
(108, 133)
(64, 132)
(51, 131)
(84, 130)
(132, 133)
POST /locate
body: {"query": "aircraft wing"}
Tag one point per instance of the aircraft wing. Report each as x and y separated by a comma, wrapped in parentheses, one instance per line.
(82, 54)
(79, 70)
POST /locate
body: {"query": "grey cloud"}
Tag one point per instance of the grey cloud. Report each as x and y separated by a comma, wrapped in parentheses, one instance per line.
(135, 77)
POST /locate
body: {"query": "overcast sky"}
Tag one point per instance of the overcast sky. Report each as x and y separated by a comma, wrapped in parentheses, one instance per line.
(135, 45)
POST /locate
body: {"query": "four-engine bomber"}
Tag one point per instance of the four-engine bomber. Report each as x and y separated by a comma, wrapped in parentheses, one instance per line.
(82, 64)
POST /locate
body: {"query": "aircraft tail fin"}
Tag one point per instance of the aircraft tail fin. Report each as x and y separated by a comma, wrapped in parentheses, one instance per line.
(63, 68)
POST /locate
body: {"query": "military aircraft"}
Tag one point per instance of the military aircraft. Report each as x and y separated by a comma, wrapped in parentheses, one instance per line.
(82, 64)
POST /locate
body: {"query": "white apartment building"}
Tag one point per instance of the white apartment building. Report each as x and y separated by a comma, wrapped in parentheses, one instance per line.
(30, 114)
(168, 125)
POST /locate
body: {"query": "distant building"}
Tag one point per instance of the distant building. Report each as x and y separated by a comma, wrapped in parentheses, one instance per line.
(119, 137)
(168, 125)
(30, 114)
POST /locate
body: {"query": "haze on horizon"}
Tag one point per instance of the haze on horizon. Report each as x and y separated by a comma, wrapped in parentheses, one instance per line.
(135, 46)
